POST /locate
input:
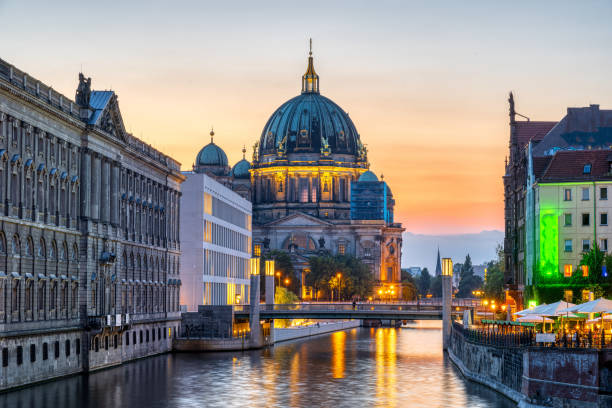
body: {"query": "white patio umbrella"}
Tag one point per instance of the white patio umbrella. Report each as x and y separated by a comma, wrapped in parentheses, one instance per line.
(600, 305)
(533, 318)
(556, 309)
(533, 310)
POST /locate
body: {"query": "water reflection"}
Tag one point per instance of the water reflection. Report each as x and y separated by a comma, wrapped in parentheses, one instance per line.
(338, 349)
(358, 368)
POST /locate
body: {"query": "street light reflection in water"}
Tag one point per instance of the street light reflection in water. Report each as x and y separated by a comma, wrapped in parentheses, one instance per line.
(381, 367)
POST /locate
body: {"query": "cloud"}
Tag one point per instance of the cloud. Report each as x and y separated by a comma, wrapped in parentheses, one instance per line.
(421, 250)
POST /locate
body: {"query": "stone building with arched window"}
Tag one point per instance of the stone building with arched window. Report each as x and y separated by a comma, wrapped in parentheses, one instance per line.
(79, 196)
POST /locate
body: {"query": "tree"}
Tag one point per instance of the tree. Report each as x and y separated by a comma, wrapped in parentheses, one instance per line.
(494, 279)
(355, 277)
(284, 265)
(284, 296)
(424, 282)
(468, 282)
(436, 287)
(409, 287)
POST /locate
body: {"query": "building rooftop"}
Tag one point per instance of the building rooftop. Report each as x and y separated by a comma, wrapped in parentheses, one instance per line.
(582, 165)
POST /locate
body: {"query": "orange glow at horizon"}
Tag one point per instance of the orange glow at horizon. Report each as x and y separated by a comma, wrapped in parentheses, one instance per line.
(426, 85)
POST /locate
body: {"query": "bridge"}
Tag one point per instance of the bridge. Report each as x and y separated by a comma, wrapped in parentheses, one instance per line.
(428, 310)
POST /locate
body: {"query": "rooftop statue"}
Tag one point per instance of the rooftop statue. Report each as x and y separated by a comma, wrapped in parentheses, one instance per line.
(83, 92)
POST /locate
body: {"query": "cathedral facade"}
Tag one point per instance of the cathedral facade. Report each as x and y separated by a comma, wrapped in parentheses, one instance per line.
(311, 189)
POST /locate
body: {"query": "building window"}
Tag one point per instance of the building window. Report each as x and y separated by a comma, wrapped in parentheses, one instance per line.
(56, 346)
(5, 357)
(585, 270)
(585, 194)
(568, 220)
(586, 169)
(367, 252)
(604, 244)
(603, 219)
(77, 346)
(19, 355)
(67, 348)
(586, 219)
(586, 245)
(32, 353)
(341, 249)
(257, 250)
(567, 270)
(603, 193)
(568, 245)
(45, 351)
(207, 204)
(567, 194)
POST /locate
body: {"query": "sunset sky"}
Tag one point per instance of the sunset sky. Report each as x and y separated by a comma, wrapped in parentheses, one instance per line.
(426, 83)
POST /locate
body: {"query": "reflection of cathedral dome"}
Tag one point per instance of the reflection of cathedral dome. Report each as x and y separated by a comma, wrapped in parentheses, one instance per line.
(368, 176)
(211, 155)
(241, 169)
(309, 123)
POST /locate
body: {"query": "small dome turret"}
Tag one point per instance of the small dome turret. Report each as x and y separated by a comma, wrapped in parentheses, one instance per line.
(211, 159)
(241, 169)
(368, 176)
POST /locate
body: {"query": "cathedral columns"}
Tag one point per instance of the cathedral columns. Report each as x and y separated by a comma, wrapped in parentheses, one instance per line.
(86, 185)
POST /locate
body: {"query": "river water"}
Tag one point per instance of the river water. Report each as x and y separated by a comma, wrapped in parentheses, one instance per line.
(356, 368)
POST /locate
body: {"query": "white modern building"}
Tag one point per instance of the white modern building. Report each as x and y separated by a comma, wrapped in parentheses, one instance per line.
(215, 227)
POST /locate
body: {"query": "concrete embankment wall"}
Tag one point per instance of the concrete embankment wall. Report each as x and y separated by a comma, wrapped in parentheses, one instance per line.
(537, 376)
(322, 328)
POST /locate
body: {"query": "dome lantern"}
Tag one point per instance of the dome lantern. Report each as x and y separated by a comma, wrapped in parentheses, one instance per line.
(310, 80)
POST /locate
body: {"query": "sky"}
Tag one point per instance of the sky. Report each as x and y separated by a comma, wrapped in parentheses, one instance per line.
(425, 83)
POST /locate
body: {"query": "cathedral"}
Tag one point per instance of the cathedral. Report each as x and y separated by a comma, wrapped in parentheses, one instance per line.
(312, 191)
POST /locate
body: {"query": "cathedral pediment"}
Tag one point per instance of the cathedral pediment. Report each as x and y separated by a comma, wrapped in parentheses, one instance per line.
(299, 220)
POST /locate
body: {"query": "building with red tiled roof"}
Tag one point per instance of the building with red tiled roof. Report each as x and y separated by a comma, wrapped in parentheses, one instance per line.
(566, 215)
(574, 151)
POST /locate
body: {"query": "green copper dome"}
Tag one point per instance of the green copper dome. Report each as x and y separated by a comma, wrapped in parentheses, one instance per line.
(368, 176)
(211, 155)
(241, 170)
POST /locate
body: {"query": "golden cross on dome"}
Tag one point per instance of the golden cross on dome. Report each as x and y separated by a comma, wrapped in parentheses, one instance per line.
(310, 53)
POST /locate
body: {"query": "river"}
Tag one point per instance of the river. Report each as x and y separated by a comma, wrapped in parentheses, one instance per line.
(356, 368)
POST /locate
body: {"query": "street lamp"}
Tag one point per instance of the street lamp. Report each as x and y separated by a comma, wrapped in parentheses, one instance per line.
(287, 282)
(339, 277)
(278, 274)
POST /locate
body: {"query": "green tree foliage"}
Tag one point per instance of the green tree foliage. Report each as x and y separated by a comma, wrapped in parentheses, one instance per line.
(468, 282)
(436, 287)
(282, 264)
(409, 287)
(424, 282)
(356, 279)
(284, 296)
(494, 279)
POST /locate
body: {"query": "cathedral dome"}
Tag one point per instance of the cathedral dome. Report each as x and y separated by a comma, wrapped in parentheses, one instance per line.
(368, 176)
(310, 123)
(241, 169)
(211, 155)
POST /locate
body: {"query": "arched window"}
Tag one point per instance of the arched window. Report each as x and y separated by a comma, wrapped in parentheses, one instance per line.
(53, 250)
(41, 248)
(75, 251)
(28, 247)
(64, 252)
(2, 244)
(15, 245)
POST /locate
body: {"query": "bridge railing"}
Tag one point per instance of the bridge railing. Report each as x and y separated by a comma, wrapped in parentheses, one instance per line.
(424, 305)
